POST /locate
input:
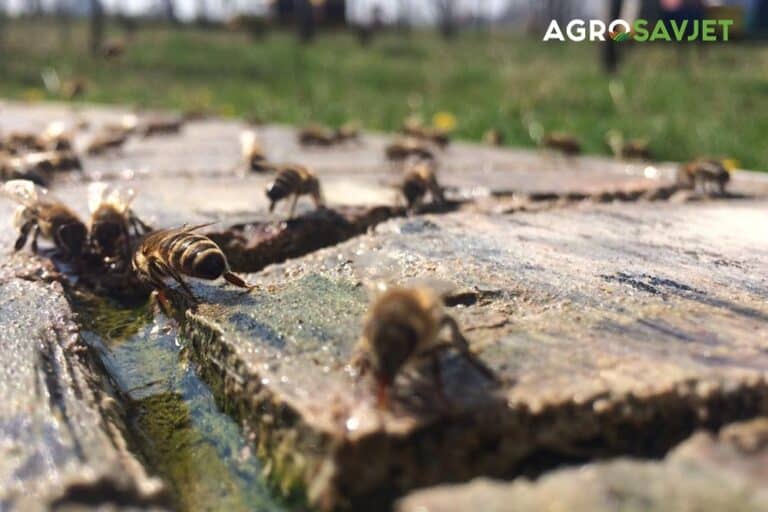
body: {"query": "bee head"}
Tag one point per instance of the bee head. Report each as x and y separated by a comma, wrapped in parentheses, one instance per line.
(71, 238)
(106, 235)
(275, 193)
(412, 190)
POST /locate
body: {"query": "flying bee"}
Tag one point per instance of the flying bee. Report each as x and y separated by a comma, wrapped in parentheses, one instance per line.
(40, 214)
(403, 148)
(403, 326)
(494, 137)
(253, 155)
(317, 135)
(113, 222)
(563, 142)
(703, 175)
(174, 253)
(160, 125)
(294, 180)
(106, 141)
(420, 178)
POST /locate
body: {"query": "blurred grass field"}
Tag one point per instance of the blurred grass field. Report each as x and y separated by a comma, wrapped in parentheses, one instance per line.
(688, 101)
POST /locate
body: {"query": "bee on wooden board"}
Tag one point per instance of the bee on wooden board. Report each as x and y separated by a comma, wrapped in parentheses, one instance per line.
(316, 135)
(39, 214)
(294, 181)
(113, 222)
(10, 169)
(405, 325)
(403, 148)
(254, 158)
(106, 141)
(631, 148)
(414, 127)
(160, 125)
(563, 142)
(421, 178)
(494, 137)
(57, 136)
(178, 252)
(704, 175)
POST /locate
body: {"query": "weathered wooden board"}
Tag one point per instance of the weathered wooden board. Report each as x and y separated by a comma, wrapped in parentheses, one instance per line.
(707, 473)
(62, 439)
(614, 330)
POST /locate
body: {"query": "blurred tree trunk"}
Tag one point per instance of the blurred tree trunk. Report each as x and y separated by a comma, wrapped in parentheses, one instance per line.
(305, 20)
(610, 52)
(63, 18)
(97, 27)
(169, 11)
(446, 17)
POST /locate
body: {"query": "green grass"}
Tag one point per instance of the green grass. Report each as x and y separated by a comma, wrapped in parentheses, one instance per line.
(688, 101)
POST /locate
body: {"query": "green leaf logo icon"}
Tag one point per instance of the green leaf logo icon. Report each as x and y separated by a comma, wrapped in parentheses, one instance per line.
(619, 37)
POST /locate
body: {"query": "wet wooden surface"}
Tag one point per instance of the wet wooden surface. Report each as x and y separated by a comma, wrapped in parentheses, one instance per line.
(705, 473)
(617, 324)
(62, 439)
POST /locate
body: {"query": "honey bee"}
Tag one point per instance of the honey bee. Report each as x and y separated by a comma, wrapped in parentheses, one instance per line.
(494, 137)
(113, 222)
(703, 175)
(403, 148)
(403, 326)
(20, 142)
(11, 170)
(106, 141)
(632, 148)
(174, 253)
(253, 155)
(48, 161)
(160, 125)
(294, 180)
(414, 127)
(563, 142)
(57, 137)
(40, 214)
(317, 135)
(420, 178)
(347, 132)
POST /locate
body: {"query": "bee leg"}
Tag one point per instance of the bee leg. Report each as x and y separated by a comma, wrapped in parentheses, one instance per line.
(23, 235)
(35, 234)
(236, 280)
(383, 396)
(293, 206)
(437, 376)
(163, 269)
(139, 226)
(460, 342)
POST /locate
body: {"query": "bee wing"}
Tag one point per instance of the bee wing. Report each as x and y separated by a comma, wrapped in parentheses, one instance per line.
(23, 191)
(101, 193)
(97, 195)
(248, 139)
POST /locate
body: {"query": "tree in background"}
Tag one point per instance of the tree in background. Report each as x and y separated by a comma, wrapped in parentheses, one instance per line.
(610, 47)
(446, 17)
(97, 27)
(305, 20)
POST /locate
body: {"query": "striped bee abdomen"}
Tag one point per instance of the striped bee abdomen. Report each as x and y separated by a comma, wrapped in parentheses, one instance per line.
(194, 255)
(286, 182)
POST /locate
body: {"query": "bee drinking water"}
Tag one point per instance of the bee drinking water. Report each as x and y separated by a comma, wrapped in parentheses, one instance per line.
(294, 180)
(113, 222)
(420, 179)
(178, 252)
(405, 325)
(704, 175)
(39, 214)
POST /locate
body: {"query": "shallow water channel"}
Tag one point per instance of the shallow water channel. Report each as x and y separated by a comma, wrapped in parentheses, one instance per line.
(180, 430)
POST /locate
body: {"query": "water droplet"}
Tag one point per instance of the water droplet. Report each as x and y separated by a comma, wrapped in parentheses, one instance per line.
(353, 423)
